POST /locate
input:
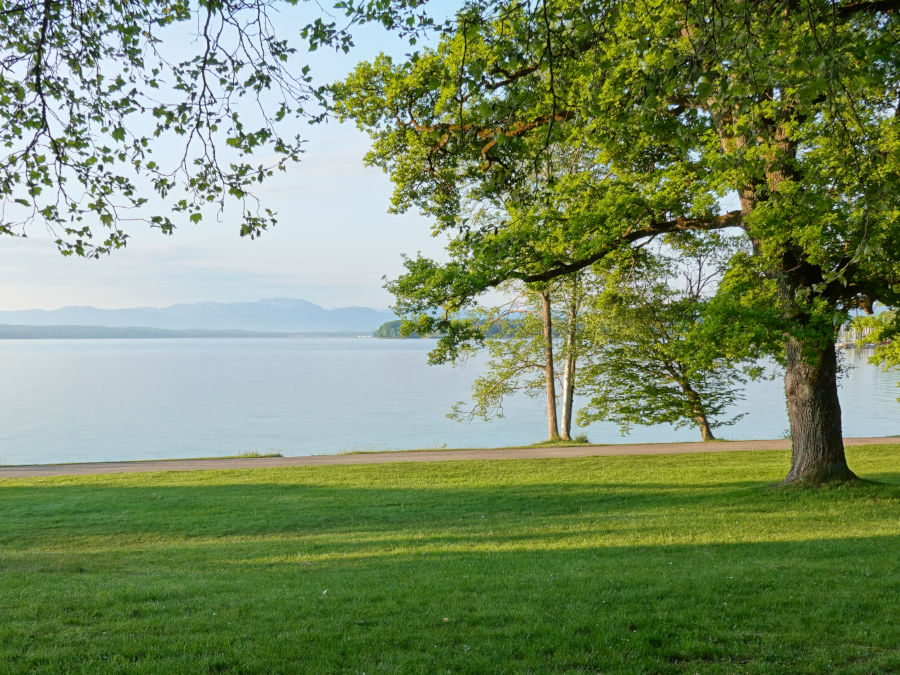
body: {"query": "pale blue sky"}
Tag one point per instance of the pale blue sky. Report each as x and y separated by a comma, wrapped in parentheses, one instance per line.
(332, 245)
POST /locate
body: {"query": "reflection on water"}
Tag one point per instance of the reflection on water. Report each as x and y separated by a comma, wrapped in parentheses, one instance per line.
(84, 400)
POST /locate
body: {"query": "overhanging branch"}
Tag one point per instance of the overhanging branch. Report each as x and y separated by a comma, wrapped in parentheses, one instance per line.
(875, 6)
(488, 134)
(730, 219)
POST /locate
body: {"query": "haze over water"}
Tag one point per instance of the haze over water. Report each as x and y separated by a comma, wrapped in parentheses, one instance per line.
(105, 400)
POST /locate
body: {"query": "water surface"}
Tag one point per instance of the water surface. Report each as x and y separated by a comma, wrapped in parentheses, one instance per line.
(103, 400)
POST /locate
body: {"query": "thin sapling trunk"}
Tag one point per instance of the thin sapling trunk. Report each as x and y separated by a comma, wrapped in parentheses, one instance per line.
(549, 376)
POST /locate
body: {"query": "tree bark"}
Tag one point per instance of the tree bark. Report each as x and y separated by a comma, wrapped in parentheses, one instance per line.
(549, 375)
(810, 384)
(568, 397)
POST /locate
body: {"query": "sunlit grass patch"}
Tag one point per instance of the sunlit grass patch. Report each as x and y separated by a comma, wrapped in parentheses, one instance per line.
(657, 564)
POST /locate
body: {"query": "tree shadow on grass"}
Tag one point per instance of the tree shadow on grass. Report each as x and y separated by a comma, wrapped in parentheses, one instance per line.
(251, 574)
(268, 509)
(414, 607)
(316, 522)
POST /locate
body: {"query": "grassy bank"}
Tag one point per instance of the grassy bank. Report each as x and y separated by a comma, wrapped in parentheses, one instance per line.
(617, 564)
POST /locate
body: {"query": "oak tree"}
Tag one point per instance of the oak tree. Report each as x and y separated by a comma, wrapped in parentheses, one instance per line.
(776, 118)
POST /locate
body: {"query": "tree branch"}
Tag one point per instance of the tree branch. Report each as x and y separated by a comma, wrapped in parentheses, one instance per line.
(508, 78)
(875, 6)
(731, 219)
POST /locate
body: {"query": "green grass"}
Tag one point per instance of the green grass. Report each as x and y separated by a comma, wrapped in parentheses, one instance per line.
(579, 441)
(251, 454)
(656, 564)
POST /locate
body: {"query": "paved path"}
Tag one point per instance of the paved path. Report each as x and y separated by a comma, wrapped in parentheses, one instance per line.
(38, 470)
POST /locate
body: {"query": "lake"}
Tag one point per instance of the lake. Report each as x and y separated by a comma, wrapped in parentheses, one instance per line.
(103, 400)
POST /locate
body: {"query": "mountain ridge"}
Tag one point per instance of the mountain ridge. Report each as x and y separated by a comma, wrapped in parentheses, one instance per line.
(270, 315)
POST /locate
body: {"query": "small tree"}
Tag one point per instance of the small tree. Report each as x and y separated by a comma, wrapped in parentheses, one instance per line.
(653, 362)
(638, 328)
(524, 354)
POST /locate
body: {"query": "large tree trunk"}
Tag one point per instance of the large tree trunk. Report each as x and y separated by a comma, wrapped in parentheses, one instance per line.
(571, 359)
(549, 375)
(810, 384)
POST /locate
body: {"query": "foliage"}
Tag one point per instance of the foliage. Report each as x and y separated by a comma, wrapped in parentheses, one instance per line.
(598, 564)
(516, 353)
(876, 327)
(649, 117)
(395, 329)
(391, 329)
(881, 330)
(148, 110)
(651, 345)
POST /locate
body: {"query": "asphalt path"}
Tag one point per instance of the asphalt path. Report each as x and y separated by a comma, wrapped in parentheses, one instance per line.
(541, 452)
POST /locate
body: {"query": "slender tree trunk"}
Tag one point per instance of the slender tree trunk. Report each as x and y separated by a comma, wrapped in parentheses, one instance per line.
(549, 375)
(810, 384)
(568, 396)
(706, 433)
(571, 360)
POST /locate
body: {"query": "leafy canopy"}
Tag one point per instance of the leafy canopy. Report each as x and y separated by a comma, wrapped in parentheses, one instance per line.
(787, 113)
(661, 353)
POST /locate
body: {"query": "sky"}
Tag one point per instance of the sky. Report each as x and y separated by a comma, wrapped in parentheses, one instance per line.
(333, 244)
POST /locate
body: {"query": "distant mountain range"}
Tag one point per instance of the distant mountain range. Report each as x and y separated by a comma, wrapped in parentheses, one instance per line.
(15, 332)
(278, 315)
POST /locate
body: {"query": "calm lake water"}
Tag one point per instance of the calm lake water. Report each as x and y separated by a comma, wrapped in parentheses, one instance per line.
(101, 400)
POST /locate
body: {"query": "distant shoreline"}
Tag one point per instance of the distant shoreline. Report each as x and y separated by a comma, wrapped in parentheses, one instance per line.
(73, 332)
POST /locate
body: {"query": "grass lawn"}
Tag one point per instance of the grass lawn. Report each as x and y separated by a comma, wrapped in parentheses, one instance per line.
(676, 563)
